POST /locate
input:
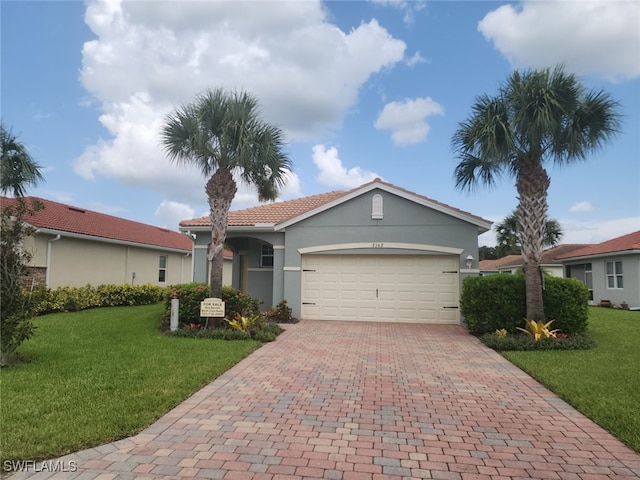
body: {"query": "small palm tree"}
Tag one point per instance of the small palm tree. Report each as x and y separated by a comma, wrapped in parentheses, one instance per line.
(221, 133)
(509, 242)
(536, 117)
(17, 168)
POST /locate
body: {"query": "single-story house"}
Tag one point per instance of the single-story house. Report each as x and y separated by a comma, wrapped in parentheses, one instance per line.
(74, 247)
(374, 253)
(610, 269)
(515, 263)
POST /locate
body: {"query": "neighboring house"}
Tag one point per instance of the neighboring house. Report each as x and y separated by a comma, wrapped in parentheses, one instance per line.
(515, 263)
(610, 269)
(74, 247)
(374, 253)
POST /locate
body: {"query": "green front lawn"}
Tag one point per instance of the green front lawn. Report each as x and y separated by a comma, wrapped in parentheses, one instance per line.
(604, 382)
(100, 375)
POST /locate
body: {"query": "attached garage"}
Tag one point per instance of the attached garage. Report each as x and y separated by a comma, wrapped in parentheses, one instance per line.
(381, 288)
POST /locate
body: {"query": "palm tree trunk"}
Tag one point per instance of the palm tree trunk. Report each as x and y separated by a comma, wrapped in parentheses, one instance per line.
(221, 189)
(532, 185)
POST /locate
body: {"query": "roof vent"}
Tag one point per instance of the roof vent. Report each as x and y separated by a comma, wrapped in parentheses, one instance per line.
(377, 210)
(75, 209)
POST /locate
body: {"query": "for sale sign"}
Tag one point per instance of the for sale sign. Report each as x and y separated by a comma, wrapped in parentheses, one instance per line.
(212, 307)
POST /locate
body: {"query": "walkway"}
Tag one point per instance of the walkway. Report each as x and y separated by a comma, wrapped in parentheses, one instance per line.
(365, 401)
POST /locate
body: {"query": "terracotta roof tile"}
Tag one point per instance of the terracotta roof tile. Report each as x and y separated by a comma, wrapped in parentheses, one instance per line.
(70, 219)
(548, 256)
(279, 212)
(628, 242)
(270, 213)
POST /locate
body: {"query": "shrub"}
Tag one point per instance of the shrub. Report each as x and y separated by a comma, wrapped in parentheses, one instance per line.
(238, 303)
(498, 301)
(281, 313)
(16, 310)
(492, 303)
(191, 294)
(72, 299)
(578, 341)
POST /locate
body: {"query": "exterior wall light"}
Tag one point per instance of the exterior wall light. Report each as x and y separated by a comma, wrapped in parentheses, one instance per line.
(469, 261)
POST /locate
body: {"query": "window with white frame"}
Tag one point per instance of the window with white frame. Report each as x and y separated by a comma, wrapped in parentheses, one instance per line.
(266, 256)
(162, 270)
(614, 275)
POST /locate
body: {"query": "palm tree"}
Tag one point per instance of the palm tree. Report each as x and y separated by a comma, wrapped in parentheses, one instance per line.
(507, 234)
(17, 167)
(537, 116)
(221, 133)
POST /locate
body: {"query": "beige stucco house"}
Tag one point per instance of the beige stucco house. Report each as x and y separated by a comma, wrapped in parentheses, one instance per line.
(74, 247)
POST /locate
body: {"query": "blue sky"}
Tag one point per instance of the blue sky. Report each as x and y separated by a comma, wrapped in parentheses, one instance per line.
(362, 89)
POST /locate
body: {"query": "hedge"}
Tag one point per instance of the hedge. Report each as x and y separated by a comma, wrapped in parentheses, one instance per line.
(72, 299)
(499, 301)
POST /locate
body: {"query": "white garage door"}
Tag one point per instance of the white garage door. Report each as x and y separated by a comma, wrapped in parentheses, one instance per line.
(380, 288)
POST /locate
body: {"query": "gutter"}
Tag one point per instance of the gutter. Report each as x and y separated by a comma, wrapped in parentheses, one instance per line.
(108, 240)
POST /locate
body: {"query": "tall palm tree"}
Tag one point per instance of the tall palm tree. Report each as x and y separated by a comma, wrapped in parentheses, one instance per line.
(222, 133)
(537, 117)
(507, 234)
(17, 168)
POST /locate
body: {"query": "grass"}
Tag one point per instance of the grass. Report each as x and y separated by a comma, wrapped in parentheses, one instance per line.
(603, 383)
(100, 375)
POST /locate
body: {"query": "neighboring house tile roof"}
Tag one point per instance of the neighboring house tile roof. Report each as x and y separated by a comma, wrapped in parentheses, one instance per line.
(548, 257)
(625, 243)
(279, 212)
(61, 218)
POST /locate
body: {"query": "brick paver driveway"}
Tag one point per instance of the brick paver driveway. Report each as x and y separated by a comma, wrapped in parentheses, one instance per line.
(352, 401)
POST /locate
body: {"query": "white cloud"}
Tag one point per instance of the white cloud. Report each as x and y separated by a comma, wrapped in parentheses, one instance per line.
(406, 119)
(597, 231)
(581, 207)
(415, 59)
(591, 231)
(408, 7)
(170, 213)
(334, 174)
(150, 57)
(599, 37)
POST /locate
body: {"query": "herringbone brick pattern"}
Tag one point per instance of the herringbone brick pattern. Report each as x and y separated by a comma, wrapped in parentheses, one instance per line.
(366, 401)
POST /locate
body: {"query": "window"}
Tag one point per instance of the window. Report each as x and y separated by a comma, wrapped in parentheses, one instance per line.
(162, 271)
(614, 275)
(266, 256)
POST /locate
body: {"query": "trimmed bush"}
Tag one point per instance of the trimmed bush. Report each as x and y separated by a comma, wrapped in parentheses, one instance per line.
(492, 303)
(498, 301)
(73, 299)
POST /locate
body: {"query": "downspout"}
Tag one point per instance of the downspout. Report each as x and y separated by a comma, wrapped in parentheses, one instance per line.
(48, 275)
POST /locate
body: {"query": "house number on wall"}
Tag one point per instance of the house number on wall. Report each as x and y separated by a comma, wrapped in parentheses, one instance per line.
(377, 245)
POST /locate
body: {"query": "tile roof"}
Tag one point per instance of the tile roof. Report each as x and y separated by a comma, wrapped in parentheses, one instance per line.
(548, 257)
(279, 212)
(270, 213)
(62, 218)
(628, 242)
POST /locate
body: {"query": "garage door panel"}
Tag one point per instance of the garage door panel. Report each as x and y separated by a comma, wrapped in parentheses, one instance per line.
(391, 288)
